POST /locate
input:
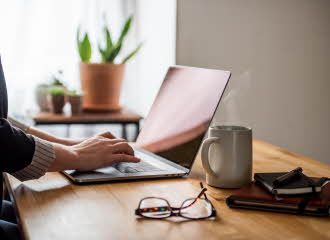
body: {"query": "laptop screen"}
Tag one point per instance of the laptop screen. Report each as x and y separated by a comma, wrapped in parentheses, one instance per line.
(182, 113)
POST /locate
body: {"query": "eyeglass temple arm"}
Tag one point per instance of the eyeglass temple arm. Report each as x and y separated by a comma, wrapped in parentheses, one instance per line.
(201, 193)
(214, 212)
(199, 196)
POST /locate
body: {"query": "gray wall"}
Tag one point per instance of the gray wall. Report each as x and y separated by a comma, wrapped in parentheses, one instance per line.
(279, 54)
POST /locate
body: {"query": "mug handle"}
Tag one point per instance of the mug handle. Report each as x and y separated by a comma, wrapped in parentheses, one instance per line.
(205, 154)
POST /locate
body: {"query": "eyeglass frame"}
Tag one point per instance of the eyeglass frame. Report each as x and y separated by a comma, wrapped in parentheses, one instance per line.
(178, 210)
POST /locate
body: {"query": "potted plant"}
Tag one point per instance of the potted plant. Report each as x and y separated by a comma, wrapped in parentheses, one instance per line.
(42, 90)
(75, 99)
(101, 82)
(56, 99)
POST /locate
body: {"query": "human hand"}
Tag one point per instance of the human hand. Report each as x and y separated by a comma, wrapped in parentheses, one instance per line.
(92, 153)
(71, 142)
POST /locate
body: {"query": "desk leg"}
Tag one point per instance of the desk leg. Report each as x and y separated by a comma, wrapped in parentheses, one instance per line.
(124, 131)
(137, 126)
(68, 128)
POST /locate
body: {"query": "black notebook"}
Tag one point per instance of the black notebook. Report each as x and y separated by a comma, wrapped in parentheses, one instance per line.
(300, 185)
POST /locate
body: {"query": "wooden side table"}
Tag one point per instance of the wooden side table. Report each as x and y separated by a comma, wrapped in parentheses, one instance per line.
(123, 117)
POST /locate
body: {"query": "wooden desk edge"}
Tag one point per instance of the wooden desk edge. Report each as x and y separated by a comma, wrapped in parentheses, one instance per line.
(13, 200)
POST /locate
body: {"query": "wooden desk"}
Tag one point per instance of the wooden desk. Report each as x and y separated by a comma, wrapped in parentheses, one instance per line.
(122, 117)
(53, 208)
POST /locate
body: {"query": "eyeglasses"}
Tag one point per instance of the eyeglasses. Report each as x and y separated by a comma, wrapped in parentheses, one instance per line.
(193, 208)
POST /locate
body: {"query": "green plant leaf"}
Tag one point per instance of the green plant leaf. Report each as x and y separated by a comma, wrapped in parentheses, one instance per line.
(56, 91)
(109, 43)
(103, 54)
(109, 48)
(84, 47)
(125, 30)
(114, 53)
(133, 53)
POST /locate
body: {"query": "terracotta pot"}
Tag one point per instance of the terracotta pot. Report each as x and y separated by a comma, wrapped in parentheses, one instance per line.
(76, 104)
(56, 103)
(101, 84)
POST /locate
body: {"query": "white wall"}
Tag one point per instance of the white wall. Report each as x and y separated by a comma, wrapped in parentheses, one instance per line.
(279, 54)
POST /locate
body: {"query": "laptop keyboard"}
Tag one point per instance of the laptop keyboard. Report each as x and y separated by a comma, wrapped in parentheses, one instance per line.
(142, 166)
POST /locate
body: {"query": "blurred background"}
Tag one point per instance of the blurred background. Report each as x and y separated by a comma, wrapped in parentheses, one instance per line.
(278, 53)
(38, 38)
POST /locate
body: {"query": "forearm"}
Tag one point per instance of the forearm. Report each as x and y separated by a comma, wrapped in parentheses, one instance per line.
(57, 154)
(51, 138)
(41, 134)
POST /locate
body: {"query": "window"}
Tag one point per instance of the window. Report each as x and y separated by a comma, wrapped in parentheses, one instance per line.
(38, 37)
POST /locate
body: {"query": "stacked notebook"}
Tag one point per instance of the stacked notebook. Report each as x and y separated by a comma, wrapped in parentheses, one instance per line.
(301, 184)
(298, 196)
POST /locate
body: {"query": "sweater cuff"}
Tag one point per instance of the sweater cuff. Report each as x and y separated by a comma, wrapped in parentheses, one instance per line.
(44, 156)
(18, 124)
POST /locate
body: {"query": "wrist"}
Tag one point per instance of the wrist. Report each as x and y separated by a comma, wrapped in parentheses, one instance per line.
(65, 158)
(68, 142)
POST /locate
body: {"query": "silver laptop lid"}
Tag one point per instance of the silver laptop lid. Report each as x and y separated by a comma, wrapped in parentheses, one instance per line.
(182, 113)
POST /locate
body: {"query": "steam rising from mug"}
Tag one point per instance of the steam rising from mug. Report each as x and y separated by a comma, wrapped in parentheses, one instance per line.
(235, 101)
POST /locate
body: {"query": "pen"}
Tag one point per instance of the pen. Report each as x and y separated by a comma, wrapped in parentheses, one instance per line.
(287, 177)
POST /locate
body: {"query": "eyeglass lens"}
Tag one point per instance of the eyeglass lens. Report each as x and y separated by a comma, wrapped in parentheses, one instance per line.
(155, 208)
(196, 208)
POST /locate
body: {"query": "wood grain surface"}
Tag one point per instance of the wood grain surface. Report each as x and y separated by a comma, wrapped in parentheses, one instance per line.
(54, 208)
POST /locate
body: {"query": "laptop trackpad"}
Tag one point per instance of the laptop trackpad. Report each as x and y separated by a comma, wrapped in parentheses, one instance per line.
(107, 170)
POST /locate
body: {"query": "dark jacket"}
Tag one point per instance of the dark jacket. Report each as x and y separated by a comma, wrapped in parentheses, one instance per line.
(16, 148)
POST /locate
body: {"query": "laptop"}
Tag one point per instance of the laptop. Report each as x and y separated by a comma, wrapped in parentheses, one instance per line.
(173, 130)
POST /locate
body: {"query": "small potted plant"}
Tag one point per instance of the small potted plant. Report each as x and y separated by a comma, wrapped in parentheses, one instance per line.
(75, 99)
(56, 99)
(101, 82)
(42, 90)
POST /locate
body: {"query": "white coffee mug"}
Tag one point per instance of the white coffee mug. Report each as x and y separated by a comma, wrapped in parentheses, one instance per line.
(227, 156)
